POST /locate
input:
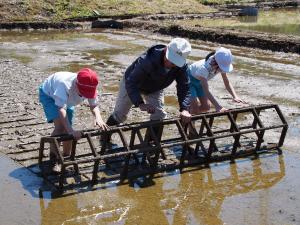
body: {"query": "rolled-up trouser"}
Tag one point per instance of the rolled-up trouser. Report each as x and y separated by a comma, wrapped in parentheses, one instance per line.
(123, 104)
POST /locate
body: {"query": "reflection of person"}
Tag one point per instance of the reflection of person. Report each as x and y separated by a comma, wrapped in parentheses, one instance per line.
(51, 208)
(145, 79)
(201, 194)
(60, 92)
(200, 72)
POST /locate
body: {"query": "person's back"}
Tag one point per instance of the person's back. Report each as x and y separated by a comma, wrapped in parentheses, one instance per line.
(202, 68)
(155, 75)
(146, 78)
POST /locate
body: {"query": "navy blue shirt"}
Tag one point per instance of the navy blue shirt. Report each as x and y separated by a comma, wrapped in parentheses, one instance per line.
(147, 74)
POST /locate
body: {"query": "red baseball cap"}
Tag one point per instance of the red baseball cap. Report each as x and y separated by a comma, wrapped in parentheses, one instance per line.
(87, 81)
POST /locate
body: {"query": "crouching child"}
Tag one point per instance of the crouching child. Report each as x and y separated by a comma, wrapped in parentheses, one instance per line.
(59, 94)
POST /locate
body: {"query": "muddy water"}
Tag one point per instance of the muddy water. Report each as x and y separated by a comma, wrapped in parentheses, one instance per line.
(261, 191)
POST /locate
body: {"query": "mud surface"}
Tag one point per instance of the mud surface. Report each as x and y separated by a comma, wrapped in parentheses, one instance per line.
(266, 186)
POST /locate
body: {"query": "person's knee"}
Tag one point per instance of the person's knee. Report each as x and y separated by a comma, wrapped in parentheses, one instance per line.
(58, 130)
(207, 107)
(111, 121)
(158, 115)
(118, 117)
(194, 107)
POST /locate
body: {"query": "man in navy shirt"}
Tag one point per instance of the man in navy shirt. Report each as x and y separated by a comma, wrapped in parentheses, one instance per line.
(146, 78)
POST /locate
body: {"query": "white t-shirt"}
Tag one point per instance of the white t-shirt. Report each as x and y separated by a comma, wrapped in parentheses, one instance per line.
(61, 86)
(202, 69)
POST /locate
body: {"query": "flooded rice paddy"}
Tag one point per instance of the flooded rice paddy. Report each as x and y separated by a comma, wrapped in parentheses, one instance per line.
(250, 191)
(279, 21)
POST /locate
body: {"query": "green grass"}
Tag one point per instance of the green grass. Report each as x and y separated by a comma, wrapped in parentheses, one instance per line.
(57, 10)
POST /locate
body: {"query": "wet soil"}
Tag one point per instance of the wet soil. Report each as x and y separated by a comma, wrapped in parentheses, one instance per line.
(267, 186)
(274, 79)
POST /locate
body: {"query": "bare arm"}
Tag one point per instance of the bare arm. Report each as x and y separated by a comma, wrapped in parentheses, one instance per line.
(230, 89)
(208, 94)
(65, 122)
(98, 119)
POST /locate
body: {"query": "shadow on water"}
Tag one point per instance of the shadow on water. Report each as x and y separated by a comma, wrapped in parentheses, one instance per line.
(191, 195)
(30, 182)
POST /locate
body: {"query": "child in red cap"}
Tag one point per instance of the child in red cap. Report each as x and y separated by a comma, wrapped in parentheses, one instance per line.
(60, 92)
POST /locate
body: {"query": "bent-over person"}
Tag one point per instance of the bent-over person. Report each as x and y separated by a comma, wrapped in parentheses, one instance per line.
(58, 95)
(146, 78)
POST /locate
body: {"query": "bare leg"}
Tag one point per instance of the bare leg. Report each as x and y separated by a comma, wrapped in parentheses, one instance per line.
(194, 108)
(204, 106)
(59, 129)
(198, 105)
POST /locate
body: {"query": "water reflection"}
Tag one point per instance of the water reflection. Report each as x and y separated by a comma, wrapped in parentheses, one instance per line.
(204, 193)
(193, 197)
(248, 15)
(248, 19)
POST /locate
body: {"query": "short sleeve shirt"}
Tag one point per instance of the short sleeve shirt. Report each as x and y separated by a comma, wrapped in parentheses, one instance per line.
(61, 86)
(203, 69)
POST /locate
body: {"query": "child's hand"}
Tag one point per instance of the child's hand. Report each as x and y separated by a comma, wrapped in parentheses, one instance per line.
(221, 109)
(238, 100)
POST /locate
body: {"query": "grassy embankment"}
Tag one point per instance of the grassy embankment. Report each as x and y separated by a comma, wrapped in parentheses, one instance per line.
(282, 21)
(57, 10)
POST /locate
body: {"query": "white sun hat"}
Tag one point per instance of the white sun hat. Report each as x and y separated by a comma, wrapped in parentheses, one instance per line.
(178, 50)
(224, 59)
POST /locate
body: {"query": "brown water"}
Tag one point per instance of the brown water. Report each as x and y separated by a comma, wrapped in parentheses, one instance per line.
(260, 191)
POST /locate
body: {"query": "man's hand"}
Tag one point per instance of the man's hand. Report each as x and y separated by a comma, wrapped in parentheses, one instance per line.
(185, 116)
(101, 125)
(147, 107)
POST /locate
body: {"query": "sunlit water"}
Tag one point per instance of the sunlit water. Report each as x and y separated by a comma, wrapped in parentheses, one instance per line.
(261, 191)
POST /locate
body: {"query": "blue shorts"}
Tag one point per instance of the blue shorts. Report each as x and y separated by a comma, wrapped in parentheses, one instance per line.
(195, 87)
(51, 110)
